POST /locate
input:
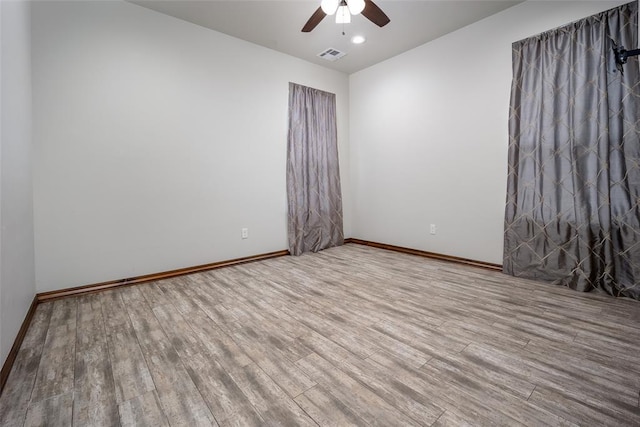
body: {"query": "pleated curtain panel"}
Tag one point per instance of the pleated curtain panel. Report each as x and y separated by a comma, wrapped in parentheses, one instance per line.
(313, 174)
(573, 198)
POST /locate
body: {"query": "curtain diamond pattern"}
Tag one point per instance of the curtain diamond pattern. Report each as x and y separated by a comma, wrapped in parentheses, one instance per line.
(313, 175)
(573, 198)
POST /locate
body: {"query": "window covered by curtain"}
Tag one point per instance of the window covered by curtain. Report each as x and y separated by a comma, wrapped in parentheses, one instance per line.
(313, 175)
(572, 212)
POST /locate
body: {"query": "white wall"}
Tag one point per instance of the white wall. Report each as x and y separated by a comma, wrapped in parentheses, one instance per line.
(429, 135)
(156, 141)
(17, 282)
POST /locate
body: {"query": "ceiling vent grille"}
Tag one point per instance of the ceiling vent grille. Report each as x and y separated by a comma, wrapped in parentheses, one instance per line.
(331, 54)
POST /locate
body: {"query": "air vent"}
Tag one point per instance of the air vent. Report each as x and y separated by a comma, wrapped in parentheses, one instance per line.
(331, 54)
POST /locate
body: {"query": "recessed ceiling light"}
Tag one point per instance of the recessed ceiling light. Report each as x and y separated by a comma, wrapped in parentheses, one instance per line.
(358, 39)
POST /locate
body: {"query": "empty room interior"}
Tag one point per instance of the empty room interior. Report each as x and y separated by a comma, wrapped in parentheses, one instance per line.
(238, 213)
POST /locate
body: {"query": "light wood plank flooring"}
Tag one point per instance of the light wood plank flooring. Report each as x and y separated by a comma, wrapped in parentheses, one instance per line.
(349, 336)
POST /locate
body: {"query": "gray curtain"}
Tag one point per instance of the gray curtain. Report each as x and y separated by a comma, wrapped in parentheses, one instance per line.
(572, 212)
(313, 175)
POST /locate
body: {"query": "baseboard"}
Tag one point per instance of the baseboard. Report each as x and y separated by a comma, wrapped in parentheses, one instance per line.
(97, 287)
(441, 257)
(13, 353)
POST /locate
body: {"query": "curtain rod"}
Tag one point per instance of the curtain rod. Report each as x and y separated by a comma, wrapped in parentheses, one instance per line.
(621, 54)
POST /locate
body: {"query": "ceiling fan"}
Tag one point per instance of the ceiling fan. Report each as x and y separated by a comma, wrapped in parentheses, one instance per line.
(343, 10)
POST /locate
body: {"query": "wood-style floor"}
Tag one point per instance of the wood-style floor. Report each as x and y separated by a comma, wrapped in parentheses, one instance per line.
(349, 336)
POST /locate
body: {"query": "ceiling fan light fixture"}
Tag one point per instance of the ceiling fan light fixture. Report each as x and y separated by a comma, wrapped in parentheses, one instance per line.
(342, 15)
(330, 6)
(343, 10)
(355, 6)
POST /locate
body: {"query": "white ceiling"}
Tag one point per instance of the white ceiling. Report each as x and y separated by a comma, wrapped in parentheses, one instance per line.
(277, 25)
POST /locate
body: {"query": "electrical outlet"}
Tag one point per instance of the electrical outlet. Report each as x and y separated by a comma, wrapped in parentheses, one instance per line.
(432, 229)
(245, 233)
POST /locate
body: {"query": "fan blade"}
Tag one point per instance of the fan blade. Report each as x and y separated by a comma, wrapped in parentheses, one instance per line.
(315, 19)
(374, 14)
